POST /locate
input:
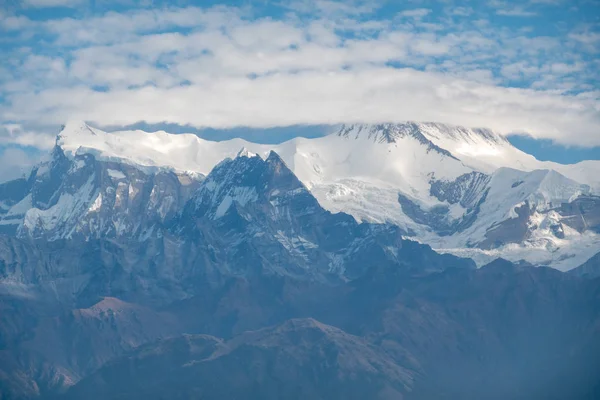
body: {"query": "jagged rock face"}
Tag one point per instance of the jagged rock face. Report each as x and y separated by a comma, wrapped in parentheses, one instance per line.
(252, 207)
(466, 190)
(252, 247)
(582, 214)
(508, 207)
(258, 183)
(11, 193)
(37, 191)
(85, 198)
(104, 255)
(513, 230)
(77, 273)
(450, 187)
(538, 213)
(390, 133)
(249, 217)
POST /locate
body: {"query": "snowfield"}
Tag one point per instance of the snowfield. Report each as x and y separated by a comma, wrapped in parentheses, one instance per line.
(363, 170)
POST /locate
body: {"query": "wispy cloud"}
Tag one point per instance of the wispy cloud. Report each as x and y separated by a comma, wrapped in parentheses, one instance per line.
(15, 134)
(461, 11)
(52, 3)
(590, 38)
(516, 12)
(15, 163)
(416, 13)
(332, 8)
(510, 9)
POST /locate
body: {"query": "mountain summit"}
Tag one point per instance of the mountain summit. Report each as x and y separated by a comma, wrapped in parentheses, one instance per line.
(150, 265)
(467, 191)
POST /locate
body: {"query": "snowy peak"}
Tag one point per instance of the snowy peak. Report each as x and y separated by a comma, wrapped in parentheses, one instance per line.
(480, 149)
(74, 131)
(76, 127)
(387, 133)
(392, 134)
(244, 152)
(543, 189)
(78, 196)
(434, 132)
(379, 133)
(277, 165)
(447, 185)
(541, 210)
(244, 180)
(149, 152)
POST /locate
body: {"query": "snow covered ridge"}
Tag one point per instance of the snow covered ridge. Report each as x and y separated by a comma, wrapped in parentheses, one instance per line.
(81, 197)
(479, 149)
(457, 189)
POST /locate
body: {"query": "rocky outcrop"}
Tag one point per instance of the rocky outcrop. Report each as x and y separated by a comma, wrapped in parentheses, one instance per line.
(83, 198)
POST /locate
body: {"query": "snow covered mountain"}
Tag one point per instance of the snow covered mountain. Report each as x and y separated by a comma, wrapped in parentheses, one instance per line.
(166, 250)
(249, 217)
(81, 196)
(463, 191)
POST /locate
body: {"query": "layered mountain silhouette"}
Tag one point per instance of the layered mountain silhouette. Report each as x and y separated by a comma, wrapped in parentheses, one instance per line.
(121, 280)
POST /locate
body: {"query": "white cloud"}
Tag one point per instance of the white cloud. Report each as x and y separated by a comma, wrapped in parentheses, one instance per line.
(417, 13)
(114, 27)
(20, 149)
(461, 11)
(15, 163)
(15, 134)
(516, 12)
(547, 2)
(332, 8)
(13, 23)
(372, 94)
(226, 68)
(53, 3)
(591, 38)
(510, 9)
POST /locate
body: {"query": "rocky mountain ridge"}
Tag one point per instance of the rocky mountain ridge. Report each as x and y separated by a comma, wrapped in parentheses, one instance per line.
(453, 188)
(240, 284)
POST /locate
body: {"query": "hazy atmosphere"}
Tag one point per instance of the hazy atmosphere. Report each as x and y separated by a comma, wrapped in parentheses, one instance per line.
(303, 200)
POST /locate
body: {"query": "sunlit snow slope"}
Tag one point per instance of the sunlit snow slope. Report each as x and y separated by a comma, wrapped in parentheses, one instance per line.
(465, 191)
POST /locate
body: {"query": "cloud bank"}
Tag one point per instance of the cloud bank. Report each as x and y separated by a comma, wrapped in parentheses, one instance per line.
(310, 62)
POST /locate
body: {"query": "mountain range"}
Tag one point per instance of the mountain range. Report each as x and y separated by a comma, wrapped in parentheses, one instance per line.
(467, 192)
(363, 264)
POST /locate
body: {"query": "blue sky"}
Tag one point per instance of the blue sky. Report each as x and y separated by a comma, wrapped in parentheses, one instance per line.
(525, 68)
(547, 150)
